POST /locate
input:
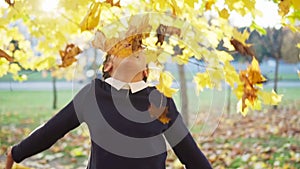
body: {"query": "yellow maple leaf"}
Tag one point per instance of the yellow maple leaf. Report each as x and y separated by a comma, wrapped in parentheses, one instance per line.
(284, 7)
(14, 68)
(240, 108)
(202, 81)
(298, 45)
(164, 85)
(4, 66)
(271, 98)
(209, 4)
(176, 10)
(224, 13)
(254, 74)
(190, 3)
(231, 76)
(296, 4)
(250, 79)
(44, 63)
(91, 19)
(298, 71)
(241, 37)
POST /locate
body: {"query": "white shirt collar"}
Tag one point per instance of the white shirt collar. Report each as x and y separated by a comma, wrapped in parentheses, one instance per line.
(134, 86)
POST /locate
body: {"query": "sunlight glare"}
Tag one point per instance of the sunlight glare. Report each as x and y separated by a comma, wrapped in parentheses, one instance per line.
(49, 5)
(3, 4)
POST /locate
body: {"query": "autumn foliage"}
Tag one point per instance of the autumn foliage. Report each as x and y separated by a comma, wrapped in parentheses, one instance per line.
(121, 28)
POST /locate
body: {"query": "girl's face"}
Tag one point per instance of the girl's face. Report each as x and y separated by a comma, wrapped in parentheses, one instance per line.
(134, 63)
(129, 66)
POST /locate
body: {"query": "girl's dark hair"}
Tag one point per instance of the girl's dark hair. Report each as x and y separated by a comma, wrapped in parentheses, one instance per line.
(106, 75)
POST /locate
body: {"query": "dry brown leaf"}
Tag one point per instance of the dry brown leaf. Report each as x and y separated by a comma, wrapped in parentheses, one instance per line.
(160, 113)
(68, 55)
(242, 49)
(164, 30)
(111, 2)
(251, 77)
(128, 42)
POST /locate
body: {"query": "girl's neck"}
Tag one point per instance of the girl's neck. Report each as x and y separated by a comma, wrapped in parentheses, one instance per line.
(128, 78)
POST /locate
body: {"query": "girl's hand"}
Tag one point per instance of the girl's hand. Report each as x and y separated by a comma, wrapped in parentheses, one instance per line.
(9, 160)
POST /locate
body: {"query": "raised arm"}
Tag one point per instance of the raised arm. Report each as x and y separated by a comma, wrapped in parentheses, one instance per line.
(46, 135)
(183, 143)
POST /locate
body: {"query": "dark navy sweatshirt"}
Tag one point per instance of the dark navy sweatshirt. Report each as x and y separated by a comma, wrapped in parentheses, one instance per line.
(124, 134)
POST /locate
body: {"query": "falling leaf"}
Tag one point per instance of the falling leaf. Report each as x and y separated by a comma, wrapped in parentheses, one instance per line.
(111, 2)
(258, 28)
(224, 13)
(44, 63)
(68, 55)
(242, 49)
(164, 30)
(99, 40)
(231, 76)
(91, 19)
(160, 113)
(241, 37)
(128, 42)
(298, 71)
(296, 4)
(190, 3)
(250, 78)
(209, 4)
(203, 80)
(270, 98)
(175, 8)
(254, 73)
(6, 56)
(284, 7)
(165, 82)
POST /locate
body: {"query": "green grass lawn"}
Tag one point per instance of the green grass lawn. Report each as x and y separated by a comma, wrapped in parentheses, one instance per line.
(16, 106)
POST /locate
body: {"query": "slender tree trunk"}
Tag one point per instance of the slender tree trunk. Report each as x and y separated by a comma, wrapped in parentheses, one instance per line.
(54, 106)
(184, 97)
(276, 77)
(94, 64)
(228, 100)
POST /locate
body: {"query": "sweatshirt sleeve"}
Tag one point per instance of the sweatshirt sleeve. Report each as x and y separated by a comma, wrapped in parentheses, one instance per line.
(46, 135)
(183, 143)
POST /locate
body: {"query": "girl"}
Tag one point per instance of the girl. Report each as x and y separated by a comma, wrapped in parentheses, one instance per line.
(128, 122)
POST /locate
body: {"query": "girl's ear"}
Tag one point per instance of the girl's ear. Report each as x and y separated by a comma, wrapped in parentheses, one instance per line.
(108, 66)
(146, 72)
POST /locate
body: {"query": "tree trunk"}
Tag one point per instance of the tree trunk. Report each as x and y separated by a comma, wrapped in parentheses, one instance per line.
(228, 100)
(184, 97)
(54, 106)
(276, 77)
